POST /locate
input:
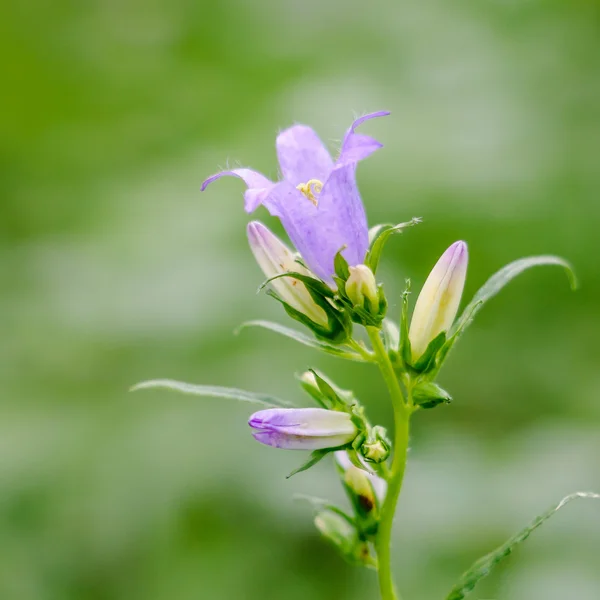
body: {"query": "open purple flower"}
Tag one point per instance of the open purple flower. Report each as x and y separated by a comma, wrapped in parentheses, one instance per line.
(317, 201)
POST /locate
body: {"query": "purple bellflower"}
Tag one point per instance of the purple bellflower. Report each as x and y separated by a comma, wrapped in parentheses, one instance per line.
(317, 200)
(302, 428)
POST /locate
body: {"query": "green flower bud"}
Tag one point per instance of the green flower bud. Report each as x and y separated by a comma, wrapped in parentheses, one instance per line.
(376, 451)
(337, 530)
(428, 395)
(361, 288)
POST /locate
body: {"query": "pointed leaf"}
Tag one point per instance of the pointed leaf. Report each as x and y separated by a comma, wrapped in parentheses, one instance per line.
(497, 281)
(212, 391)
(380, 235)
(484, 565)
(304, 339)
(313, 459)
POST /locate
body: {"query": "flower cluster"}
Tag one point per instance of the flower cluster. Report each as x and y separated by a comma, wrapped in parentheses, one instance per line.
(329, 284)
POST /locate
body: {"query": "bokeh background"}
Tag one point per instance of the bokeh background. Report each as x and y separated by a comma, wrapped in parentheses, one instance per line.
(115, 269)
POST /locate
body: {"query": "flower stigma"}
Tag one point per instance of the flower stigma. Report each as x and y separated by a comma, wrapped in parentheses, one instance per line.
(310, 188)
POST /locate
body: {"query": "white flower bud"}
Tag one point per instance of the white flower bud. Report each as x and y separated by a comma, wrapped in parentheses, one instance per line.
(439, 299)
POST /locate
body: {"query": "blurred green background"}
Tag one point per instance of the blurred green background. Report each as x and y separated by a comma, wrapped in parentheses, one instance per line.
(116, 269)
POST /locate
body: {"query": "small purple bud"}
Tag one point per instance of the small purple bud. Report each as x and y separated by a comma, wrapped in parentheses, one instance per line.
(302, 428)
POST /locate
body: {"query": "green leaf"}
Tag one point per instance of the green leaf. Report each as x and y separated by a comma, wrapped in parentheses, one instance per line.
(340, 266)
(484, 565)
(497, 281)
(211, 391)
(304, 339)
(380, 235)
(313, 459)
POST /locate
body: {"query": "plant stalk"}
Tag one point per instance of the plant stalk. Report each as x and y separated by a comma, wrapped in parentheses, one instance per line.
(402, 412)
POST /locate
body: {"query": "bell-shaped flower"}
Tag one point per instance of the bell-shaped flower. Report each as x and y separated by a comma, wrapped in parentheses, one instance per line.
(302, 428)
(275, 258)
(439, 299)
(317, 200)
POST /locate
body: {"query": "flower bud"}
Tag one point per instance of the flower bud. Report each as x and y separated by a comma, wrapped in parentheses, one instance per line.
(338, 531)
(361, 286)
(438, 301)
(274, 258)
(302, 428)
(363, 481)
(360, 485)
(308, 378)
(375, 451)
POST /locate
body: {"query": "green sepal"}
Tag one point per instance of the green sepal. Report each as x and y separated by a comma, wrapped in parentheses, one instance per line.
(315, 457)
(348, 541)
(331, 398)
(304, 339)
(482, 567)
(345, 399)
(313, 391)
(427, 361)
(380, 236)
(340, 266)
(340, 325)
(366, 316)
(405, 350)
(427, 394)
(391, 335)
(376, 446)
(311, 283)
(211, 391)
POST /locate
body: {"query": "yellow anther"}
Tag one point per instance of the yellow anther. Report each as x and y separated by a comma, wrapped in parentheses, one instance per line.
(310, 188)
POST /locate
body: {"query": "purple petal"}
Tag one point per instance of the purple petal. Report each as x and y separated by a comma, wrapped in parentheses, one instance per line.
(357, 146)
(302, 428)
(302, 155)
(258, 186)
(294, 442)
(301, 220)
(305, 422)
(343, 219)
(319, 232)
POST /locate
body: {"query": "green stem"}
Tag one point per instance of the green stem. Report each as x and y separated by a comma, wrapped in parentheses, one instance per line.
(401, 432)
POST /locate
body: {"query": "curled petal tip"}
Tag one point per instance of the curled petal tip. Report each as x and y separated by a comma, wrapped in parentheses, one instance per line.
(374, 115)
